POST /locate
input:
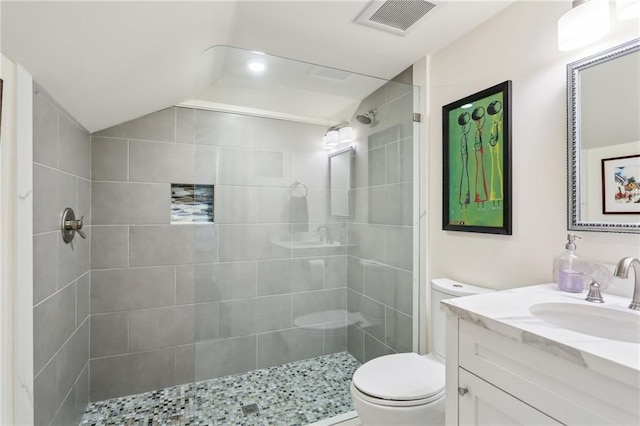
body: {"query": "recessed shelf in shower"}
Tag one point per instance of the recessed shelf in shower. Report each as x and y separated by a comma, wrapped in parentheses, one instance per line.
(191, 203)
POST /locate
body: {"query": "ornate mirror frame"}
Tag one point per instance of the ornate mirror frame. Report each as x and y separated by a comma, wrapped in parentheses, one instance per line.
(576, 222)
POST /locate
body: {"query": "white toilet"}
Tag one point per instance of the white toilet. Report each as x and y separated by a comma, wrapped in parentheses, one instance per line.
(407, 388)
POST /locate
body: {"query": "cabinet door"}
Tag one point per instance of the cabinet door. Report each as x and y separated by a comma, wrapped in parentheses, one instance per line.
(485, 404)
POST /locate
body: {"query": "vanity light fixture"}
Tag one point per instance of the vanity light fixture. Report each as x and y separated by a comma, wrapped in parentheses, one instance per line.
(346, 134)
(586, 22)
(331, 139)
(337, 135)
(628, 9)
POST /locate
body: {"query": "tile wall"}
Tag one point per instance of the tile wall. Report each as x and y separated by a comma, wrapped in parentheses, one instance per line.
(182, 302)
(61, 275)
(380, 256)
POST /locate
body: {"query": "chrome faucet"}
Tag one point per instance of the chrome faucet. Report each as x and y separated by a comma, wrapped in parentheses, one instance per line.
(326, 238)
(622, 271)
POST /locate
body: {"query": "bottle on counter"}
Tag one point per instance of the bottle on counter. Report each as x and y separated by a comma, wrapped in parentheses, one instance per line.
(566, 266)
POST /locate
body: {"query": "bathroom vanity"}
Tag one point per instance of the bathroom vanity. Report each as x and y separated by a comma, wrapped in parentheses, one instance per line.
(513, 358)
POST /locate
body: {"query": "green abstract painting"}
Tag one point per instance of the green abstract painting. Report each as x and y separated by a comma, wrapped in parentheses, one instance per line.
(476, 162)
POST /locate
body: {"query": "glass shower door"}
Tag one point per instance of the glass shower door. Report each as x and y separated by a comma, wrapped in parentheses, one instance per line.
(295, 297)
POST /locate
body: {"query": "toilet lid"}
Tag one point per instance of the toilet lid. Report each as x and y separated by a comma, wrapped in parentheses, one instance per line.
(401, 377)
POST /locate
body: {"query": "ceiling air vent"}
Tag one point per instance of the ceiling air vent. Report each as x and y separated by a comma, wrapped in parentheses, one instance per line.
(394, 16)
(331, 74)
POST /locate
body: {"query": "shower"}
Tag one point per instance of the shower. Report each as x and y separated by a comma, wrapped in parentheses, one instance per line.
(368, 117)
(215, 296)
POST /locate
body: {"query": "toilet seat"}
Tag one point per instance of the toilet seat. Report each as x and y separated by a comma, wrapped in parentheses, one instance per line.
(404, 379)
(393, 403)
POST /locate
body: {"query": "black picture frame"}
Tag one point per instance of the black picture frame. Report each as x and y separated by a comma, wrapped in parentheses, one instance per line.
(476, 151)
(620, 181)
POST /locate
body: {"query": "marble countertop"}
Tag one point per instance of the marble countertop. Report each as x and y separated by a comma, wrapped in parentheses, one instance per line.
(507, 312)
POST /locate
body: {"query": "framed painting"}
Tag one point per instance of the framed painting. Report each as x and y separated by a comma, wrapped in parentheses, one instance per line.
(476, 148)
(620, 180)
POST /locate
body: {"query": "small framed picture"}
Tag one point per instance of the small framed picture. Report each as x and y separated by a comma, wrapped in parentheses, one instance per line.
(620, 180)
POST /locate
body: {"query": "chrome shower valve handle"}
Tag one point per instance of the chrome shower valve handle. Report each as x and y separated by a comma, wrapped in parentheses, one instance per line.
(77, 225)
(70, 225)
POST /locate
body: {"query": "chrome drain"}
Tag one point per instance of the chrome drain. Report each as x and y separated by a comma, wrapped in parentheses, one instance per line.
(250, 409)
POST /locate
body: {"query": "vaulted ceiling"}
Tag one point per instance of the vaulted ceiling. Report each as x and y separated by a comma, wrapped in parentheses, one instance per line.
(112, 61)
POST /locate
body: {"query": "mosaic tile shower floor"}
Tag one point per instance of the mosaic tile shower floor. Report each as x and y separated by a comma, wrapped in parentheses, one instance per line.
(297, 393)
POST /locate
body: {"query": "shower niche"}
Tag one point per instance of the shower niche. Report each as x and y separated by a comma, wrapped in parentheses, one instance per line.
(191, 203)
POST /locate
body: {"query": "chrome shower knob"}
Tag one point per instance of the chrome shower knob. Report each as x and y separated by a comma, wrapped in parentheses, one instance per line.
(70, 225)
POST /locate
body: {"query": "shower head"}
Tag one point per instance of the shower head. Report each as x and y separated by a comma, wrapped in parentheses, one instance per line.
(366, 118)
(363, 118)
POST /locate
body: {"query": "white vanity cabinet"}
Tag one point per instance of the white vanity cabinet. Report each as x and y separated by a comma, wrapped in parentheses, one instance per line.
(481, 403)
(493, 379)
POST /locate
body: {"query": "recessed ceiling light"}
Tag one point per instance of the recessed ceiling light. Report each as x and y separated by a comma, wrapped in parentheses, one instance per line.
(256, 66)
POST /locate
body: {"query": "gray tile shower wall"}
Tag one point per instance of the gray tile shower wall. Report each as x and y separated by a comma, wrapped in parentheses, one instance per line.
(61, 276)
(380, 253)
(173, 303)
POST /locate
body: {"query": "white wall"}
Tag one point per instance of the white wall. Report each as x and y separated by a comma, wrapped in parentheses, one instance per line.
(519, 44)
(16, 265)
(6, 272)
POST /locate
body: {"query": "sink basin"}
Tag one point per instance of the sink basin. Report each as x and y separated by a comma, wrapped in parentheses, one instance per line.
(595, 321)
(310, 244)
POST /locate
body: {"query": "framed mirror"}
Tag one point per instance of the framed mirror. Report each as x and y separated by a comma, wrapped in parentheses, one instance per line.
(603, 98)
(340, 182)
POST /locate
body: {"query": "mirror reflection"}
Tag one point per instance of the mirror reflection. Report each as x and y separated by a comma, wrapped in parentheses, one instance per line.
(604, 145)
(340, 182)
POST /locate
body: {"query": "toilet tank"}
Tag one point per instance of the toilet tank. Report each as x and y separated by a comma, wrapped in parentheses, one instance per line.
(441, 289)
